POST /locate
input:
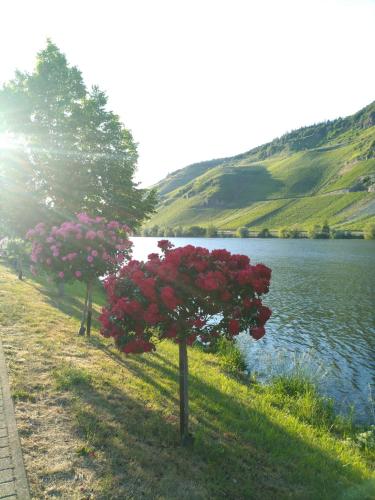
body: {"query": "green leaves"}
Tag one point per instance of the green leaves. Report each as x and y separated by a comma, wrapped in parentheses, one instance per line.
(81, 157)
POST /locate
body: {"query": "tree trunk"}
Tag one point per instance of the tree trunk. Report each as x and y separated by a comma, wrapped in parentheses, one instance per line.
(19, 267)
(89, 310)
(84, 314)
(61, 289)
(186, 438)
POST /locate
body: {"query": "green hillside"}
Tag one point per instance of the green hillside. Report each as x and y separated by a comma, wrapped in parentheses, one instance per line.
(324, 172)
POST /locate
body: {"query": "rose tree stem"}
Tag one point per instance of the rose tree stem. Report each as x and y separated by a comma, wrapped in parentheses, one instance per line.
(89, 310)
(82, 328)
(184, 404)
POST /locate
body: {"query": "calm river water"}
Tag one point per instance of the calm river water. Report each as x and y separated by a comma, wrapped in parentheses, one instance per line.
(323, 301)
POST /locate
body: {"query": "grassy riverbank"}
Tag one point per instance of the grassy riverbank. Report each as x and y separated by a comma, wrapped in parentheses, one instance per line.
(96, 424)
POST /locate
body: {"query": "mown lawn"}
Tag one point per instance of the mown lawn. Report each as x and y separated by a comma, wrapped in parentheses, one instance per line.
(96, 424)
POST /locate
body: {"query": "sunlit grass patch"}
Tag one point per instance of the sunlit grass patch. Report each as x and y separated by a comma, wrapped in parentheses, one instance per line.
(71, 378)
(299, 396)
(23, 395)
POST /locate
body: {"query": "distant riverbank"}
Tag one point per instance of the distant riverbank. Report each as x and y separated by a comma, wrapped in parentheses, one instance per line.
(272, 233)
(317, 231)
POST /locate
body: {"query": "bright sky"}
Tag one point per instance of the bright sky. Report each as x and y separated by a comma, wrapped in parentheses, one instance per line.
(202, 79)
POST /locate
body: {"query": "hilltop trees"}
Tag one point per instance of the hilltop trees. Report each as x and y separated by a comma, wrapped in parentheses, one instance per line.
(70, 154)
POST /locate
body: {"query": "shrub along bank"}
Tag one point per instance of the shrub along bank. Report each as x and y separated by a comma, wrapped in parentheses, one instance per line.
(318, 231)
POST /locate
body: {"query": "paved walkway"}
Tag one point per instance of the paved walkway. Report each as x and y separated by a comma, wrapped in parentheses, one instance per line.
(13, 480)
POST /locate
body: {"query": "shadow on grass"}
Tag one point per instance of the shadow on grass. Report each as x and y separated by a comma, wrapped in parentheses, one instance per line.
(130, 363)
(135, 443)
(71, 302)
(238, 451)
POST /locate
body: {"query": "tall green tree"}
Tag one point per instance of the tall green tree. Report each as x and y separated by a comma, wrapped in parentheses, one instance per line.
(21, 201)
(211, 231)
(243, 232)
(80, 156)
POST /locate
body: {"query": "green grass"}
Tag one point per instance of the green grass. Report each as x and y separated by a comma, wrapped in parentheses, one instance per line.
(102, 425)
(231, 359)
(297, 395)
(337, 209)
(349, 175)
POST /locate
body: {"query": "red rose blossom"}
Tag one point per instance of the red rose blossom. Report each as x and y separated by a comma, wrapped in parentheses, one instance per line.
(234, 326)
(257, 332)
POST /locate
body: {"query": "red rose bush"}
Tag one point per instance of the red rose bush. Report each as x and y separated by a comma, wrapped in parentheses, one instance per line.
(187, 293)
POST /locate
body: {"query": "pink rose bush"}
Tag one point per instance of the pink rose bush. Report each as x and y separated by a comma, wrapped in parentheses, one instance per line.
(83, 249)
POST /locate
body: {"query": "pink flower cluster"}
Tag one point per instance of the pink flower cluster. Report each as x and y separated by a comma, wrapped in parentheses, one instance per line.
(188, 292)
(82, 248)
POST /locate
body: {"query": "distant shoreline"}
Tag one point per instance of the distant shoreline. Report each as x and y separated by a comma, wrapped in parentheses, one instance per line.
(355, 235)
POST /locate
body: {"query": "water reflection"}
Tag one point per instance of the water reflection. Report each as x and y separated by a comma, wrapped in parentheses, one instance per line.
(322, 297)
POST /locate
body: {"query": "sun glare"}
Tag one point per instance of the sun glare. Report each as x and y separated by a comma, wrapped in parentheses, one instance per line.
(5, 141)
(9, 141)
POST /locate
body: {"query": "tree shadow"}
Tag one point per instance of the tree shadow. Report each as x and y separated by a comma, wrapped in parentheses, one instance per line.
(239, 452)
(136, 366)
(71, 302)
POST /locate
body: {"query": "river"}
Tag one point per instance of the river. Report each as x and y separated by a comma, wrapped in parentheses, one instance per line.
(323, 300)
